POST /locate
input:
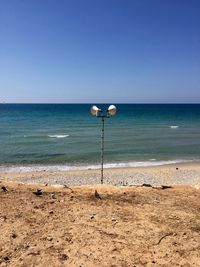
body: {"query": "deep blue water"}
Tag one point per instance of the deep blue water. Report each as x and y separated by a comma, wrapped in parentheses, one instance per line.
(66, 134)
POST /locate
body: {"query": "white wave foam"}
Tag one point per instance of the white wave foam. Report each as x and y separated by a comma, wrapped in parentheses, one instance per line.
(58, 135)
(38, 168)
(174, 126)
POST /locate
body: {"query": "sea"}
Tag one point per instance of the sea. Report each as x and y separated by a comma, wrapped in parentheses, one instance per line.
(67, 136)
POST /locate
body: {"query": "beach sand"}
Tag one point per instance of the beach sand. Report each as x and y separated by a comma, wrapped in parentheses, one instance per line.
(174, 174)
(126, 226)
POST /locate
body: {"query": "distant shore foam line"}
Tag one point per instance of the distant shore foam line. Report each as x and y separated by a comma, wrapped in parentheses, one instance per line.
(58, 135)
(174, 126)
(33, 168)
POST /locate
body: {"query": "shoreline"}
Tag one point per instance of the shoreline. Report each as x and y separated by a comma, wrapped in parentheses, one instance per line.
(171, 174)
(119, 165)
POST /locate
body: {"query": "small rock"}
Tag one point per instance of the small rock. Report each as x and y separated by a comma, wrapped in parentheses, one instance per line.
(64, 257)
(14, 235)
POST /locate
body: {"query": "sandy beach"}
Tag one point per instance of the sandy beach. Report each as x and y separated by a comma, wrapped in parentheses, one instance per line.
(117, 226)
(43, 222)
(174, 174)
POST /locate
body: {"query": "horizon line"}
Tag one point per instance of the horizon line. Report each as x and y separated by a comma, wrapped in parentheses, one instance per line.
(90, 103)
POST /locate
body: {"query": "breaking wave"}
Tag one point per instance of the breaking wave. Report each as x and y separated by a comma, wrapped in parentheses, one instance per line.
(58, 135)
(174, 126)
(31, 168)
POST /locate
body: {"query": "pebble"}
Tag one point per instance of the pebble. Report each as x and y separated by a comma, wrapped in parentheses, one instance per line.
(14, 235)
(127, 176)
(6, 258)
(64, 257)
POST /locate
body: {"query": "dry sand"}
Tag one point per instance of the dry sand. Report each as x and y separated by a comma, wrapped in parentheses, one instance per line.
(129, 225)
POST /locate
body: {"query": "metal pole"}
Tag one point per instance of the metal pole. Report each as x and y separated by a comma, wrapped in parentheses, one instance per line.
(102, 148)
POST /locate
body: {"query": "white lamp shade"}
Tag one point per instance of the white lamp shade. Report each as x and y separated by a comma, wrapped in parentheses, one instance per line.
(95, 110)
(112, 110)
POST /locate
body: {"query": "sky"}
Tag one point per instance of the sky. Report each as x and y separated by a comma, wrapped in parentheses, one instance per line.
(92, 51)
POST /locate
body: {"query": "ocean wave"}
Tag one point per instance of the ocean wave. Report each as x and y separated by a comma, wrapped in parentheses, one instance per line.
(174, 126)
(58, 135)
(135, 164)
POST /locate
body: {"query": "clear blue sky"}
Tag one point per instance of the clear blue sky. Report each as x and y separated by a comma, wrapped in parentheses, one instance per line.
(100, 51)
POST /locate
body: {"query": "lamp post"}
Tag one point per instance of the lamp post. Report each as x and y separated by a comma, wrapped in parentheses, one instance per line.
(95, 111)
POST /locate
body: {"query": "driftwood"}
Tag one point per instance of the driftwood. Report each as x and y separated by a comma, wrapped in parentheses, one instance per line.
(67, 187)
(166, 186)
(147, 185)
(168, 234)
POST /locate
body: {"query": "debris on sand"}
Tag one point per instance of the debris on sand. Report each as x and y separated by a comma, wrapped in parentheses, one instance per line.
(38, 192)
(14, 235)
(64, 257)
(4, 189)
(96, 194)
(166, 186)
(147, 185)
(164, 236)
(53, 195)
(67, 187)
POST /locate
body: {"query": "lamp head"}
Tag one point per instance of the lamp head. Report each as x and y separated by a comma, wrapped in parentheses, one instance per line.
(95, 110)
(112, 110)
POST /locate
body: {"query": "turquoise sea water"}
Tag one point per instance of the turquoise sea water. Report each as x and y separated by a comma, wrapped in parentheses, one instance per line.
(67, 135)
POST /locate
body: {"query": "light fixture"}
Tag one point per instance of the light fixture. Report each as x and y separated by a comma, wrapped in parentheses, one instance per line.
(112, 110)
(95, 111)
